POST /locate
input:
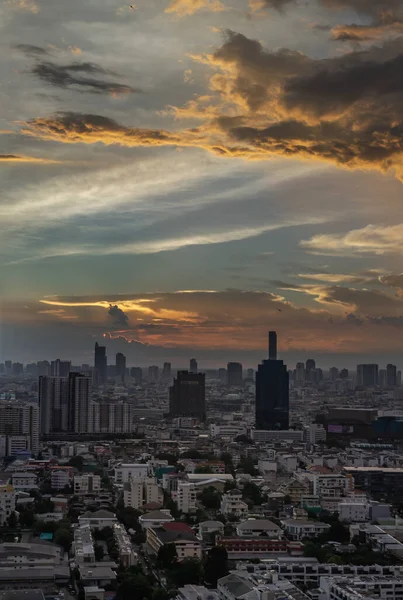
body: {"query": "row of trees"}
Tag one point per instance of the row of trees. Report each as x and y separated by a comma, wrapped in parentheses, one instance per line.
(192, 570)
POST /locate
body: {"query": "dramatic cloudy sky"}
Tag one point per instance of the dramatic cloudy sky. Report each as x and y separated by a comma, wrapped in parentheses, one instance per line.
(181, 175)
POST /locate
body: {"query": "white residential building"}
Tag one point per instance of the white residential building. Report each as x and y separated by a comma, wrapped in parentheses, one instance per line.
(24, 481)
(60, 477)
(362, 587)
(124, 472)
(98, 519)
(83, 545)
(133, 494)
(127, 556)
(152, 492)
(186, 497)
(354, 511)
(87, 484)
(138, 492)
(7, 502)
(233, 505)
(298, 529)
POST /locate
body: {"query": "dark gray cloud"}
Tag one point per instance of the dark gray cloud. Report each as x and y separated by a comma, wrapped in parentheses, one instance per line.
(74, 76)
(31, 50)
(395, 281)
(120, 317)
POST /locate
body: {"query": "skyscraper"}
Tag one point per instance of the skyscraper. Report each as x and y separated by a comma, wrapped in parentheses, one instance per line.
(193, 365)
(300, 373)
(391, 375)
(120, 366)
(60, 368)
(272, 345)
(166, 372)
(234, 373)
(187, 397)
(367, 375)
(272, 392)
(100, 364)
(19, 423)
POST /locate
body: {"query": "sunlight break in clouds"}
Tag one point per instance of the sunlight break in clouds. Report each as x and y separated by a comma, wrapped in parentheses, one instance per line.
(23, 5)
(372, 239)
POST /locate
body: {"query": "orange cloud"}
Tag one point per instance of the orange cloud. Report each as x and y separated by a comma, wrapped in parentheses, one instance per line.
(14, 158)
(189, 7)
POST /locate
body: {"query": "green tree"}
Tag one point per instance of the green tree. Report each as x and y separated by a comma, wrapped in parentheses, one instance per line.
(12, 520)
(229, 485)
(167, 556)
(210, 498)
(191, 453)
(204, 469)
(216, 565)
(188, 571)
(64, 538)
(129, 517)
(99, 552)
(27, 518)
(77, 462)
(251, 493)
(287, 499)
(243, 439)
(160, 594)
(133, 585)
(248, 467)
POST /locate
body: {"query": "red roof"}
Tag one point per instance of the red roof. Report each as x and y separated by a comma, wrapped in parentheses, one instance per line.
(177, 526)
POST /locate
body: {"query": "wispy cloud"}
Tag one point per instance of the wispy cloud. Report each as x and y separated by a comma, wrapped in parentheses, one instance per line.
(372, 239)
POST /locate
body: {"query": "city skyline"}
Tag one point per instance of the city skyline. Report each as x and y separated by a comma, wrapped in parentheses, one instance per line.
(182, 176)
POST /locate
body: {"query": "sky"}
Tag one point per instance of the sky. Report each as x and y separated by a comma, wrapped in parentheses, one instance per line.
(179, 176)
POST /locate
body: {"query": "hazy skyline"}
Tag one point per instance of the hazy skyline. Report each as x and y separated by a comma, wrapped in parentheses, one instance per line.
(211, 169)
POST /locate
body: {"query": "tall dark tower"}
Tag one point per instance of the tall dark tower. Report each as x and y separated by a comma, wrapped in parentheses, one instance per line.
(272, 345)
(187, 397)
(120, 366)
(100, 364)
(272, 391)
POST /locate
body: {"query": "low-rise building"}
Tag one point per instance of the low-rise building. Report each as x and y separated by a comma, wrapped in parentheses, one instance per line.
(98, 519)
(155, 518)
(186, 543)
(259, 527)
(22, 480)
(363, 587)
(233, 505)
(87, 484)
(208, 528)
(297, 529)
(60, 477)
(124, 472)
(83, 545)
(127, 556)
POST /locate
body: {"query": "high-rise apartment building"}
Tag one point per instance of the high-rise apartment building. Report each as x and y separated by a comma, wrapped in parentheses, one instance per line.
(54, 404)
(367, 375)
(333, 373)
(120, 366)
(272, 392)
(64, 403)
(115, 417)
(187, 396)
(223, 376)
(100, 364)
(19, 426)
(137, 374)
(153, 374)
(193, 365)
(234, 373)
(60, 368)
